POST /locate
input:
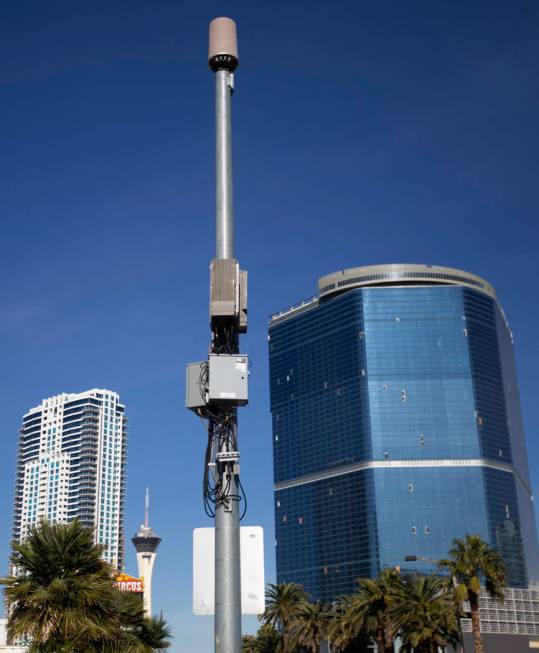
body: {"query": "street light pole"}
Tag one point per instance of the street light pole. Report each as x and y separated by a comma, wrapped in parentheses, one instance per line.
(412, 558)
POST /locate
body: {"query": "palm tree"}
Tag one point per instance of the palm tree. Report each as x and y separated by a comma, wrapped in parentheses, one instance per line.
(346, 629)
(267, 640)
(471, 561)
(367, 609)
(310, 626)
(134, 632)
(422, 610)
(249, 644)
(283, 602)
(155, 633)
(62, 595)
(128, 621)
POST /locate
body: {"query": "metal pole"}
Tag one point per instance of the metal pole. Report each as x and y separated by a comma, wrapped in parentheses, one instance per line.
(227, 524)
(227, 566)
(224, 218)
(224, 429)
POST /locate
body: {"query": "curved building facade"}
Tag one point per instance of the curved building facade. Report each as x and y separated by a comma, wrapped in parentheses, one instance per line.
(396, 427)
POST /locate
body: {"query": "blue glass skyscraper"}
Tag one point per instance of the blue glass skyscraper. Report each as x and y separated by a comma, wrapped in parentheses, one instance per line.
(396, 427)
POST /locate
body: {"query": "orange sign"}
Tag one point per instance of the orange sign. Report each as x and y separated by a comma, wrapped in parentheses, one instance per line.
(126, 583)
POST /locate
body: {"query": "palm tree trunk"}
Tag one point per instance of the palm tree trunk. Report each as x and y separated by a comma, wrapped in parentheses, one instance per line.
(476, 625)
(381, 641)
(284, 627)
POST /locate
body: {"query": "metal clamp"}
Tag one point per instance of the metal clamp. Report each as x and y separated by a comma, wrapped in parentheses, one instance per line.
(227, 456)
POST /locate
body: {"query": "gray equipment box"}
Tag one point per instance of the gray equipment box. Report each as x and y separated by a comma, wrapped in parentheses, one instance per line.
(196, 384)
(228, 292)
(228, 379)
(242, 317)
(224, 288)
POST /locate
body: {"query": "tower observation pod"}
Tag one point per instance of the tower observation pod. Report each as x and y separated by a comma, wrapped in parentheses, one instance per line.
(146, 543)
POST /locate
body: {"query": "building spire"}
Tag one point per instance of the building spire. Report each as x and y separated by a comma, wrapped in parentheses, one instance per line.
(147, 509)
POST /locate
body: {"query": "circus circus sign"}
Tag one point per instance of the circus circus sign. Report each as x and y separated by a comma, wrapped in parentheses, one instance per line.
(126, 583)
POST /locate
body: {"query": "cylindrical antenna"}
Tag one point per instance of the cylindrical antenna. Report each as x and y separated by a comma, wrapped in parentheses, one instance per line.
(223, 44)
(223, 60)
(147, 508)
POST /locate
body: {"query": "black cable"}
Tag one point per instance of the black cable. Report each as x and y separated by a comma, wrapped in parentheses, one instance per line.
(244, 498)
(206, 489)
(221, 432)
(203, 379)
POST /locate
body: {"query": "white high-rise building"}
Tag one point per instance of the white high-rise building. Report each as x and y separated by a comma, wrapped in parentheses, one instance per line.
(71, 464)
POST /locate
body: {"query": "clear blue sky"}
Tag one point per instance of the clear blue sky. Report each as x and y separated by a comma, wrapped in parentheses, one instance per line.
(364, 133)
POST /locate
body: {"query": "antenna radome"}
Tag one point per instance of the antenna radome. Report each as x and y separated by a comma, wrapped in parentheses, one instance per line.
(223, 46)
